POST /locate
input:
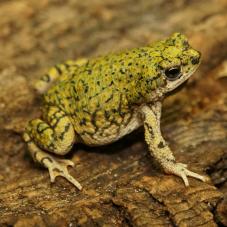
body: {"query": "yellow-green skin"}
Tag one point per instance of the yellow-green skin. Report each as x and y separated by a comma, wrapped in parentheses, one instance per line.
(105, 90)
(98, 101)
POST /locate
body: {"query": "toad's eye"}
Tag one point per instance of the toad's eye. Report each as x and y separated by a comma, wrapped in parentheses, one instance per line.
(173, 73)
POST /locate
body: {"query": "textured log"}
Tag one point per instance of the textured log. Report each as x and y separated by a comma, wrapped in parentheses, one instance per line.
(123, 186)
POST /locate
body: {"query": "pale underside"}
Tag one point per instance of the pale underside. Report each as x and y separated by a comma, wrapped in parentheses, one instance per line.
(113, 132)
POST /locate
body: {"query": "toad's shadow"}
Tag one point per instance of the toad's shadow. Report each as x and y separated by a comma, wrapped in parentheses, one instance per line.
(122, 145)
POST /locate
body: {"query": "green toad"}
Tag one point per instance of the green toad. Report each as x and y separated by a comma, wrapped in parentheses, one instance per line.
(98, 101)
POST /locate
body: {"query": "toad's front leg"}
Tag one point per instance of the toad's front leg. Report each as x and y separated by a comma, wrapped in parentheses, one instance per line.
(158, 147)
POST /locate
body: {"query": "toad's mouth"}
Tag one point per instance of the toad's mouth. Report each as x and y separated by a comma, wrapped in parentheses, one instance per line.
(177, 89)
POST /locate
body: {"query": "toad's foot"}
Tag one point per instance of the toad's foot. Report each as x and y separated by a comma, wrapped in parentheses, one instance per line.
(181, 170)
(59, 168)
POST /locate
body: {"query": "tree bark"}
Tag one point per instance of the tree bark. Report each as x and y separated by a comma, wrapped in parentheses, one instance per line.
(123, 186)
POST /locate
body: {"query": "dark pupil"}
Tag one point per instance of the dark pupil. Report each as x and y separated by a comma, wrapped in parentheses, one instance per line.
(173, 73)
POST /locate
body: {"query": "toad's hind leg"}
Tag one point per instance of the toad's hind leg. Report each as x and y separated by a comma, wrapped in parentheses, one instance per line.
(55, 134)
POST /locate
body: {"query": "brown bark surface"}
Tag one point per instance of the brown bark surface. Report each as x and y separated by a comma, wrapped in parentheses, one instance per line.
(123, 186)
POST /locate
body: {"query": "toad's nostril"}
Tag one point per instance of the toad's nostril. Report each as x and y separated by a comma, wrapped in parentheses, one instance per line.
(195, 60)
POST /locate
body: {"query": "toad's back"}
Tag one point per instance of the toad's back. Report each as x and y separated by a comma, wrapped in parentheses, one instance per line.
(94, 97)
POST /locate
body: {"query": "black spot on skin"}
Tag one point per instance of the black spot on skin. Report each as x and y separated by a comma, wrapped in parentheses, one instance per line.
(139, 55)
(86, 89)
(150, 130)
(170, 160)
(109, 98)
(194, 60)
(89, 71)
(185, 44)
(67, 127)
(83, 122)
(107, 114)
(121, 71)
(149, 80)
(161, 145)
